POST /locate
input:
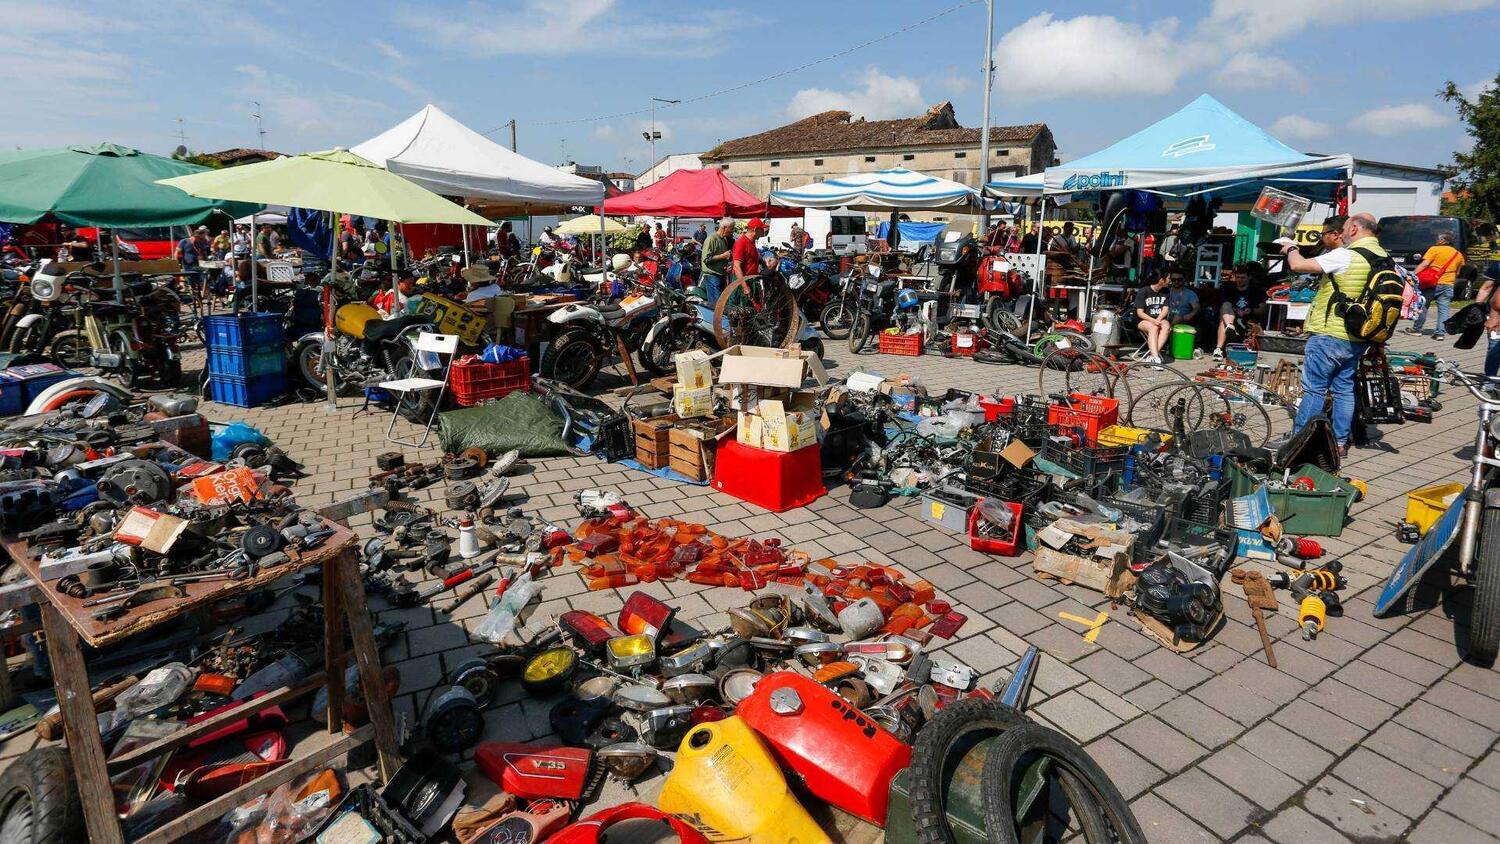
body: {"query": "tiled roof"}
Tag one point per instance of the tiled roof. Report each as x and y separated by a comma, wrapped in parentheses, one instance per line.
(239, 153)
(833, 131)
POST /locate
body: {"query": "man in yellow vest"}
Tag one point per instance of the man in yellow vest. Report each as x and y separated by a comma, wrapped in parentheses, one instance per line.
(1328, 364)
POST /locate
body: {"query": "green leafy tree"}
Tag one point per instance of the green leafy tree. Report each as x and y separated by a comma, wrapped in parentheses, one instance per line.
(1475, 180)
(199, 158)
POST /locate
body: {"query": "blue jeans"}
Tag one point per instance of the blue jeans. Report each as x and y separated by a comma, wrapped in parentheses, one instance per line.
(713, 285)
(1492, 359)
(1328, 369)
(1442, 296)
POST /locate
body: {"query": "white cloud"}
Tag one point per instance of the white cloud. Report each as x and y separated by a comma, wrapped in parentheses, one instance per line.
(955, 81)
(1260, 22)
(1251, 70)
(1295, 127)
(1399, 119)
(878, 96)
(388, 50)
(1047, 57)
(565, 27)
(1473, 90)
(604, 132)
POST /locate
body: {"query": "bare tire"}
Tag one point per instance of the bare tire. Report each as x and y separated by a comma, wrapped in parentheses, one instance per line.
(39, 801)
(1484, 624)
(955, 731)
(1101, 811)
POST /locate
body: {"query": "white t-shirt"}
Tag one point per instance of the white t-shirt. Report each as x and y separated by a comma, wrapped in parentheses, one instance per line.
(1334, 262)
(488, 291)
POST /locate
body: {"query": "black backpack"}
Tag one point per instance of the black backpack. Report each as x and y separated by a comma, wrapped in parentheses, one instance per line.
(1371, 317)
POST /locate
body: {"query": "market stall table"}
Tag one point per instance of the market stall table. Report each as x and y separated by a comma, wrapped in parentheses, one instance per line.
(1279, 312)
(66, 620)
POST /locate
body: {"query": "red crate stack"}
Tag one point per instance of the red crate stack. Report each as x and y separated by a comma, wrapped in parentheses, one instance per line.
(475, 381)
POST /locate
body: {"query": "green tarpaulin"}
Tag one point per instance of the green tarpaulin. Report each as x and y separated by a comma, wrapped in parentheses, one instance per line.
(520, 421)
(101, 185)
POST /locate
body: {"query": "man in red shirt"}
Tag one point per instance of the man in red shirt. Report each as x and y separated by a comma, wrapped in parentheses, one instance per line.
(745, 258)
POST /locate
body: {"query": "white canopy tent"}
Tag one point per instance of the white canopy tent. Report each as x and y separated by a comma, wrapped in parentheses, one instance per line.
(448, 158)
(896, 189)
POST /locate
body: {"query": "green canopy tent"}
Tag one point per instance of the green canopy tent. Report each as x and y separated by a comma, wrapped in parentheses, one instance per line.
(336, 181)
(104, 185)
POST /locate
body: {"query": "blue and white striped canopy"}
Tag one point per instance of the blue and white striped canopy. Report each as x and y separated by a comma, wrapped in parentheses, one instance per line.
(896, 189)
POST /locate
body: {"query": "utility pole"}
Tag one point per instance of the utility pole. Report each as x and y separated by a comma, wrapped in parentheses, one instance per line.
(512, 125)
(653, 136)
(984, 132)
(181, 136)
(260, 128)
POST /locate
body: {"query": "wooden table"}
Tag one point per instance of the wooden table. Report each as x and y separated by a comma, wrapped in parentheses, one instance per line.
(67, 622)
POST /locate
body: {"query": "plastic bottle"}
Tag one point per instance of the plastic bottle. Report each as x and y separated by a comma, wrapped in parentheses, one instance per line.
(286, 671)
(501, 619)
(159, 688)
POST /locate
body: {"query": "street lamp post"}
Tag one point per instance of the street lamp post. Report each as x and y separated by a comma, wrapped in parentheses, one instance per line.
(984, 132)
(653, 136)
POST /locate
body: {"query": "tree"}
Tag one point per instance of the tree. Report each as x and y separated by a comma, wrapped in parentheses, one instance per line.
(1475, 180)
(198, 158)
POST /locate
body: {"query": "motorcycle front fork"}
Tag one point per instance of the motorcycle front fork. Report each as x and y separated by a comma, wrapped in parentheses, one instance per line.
(1468, 536)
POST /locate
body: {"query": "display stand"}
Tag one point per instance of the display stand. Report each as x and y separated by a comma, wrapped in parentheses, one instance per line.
(68, 624)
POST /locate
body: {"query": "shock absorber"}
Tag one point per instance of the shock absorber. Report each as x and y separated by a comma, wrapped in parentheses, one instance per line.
(1300, 547)
(1311, 614)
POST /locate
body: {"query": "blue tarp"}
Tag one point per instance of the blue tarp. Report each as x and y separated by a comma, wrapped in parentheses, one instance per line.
(913, 233)
(309, 230)
(1203, 148)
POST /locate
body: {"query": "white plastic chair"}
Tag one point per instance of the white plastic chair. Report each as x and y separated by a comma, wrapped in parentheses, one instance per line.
(442, 345)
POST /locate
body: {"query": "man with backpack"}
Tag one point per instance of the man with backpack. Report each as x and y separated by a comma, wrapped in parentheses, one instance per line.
(1354, 308)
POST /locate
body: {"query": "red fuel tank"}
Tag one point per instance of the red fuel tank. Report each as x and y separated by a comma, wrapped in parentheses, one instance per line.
(535, 771)
(841, 753)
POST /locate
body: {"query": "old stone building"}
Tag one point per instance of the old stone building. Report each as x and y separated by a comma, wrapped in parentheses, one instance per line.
(834, 143)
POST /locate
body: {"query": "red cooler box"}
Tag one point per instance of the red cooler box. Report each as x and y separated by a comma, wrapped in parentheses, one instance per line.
(775, 480)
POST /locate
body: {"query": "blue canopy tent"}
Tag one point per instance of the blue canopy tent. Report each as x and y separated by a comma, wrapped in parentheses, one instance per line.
(1204, 148)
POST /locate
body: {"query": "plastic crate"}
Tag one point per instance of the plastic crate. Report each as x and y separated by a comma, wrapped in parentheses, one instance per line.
(1423, 506)
(242, 331)
(967, 344)
(1315, 512)
(20, 385)
(997, 408)
(477, 381)
(1086, 460)
(269, 359)
(1091, 413)
(909, 345)
(1154, 516)
(1004, 546)
(246, 392)
(1028, 422)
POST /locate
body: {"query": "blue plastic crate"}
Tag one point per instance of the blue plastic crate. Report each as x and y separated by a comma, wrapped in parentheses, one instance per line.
(241, 331)
(246, 392)
(263, 360)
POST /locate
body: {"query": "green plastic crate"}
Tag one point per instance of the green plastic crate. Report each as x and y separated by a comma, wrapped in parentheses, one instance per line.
(1317, 512)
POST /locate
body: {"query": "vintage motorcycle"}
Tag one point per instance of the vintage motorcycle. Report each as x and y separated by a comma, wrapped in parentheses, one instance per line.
(1474, 520)
(366, 349)
(587, 335)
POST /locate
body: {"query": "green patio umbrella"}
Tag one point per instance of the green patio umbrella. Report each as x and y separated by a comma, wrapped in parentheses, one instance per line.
(337, 181)
(103, 185)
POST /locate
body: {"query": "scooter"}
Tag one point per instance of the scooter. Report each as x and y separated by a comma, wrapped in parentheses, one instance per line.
(1474, 520)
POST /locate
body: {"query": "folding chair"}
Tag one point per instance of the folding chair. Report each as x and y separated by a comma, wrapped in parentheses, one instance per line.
(436, 344)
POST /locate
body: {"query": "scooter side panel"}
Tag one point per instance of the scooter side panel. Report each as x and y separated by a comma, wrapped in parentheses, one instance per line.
(1421, 557)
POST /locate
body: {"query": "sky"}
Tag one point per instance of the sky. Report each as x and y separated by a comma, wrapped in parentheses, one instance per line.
(578, 76)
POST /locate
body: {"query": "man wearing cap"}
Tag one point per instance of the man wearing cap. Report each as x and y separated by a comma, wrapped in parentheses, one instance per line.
(746, 257)
(717, 250)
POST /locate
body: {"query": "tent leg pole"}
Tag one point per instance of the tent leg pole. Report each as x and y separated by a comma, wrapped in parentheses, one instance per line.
(328, 303)
(254, 274)
(114, 251)
(1039, 285)
(463, 232)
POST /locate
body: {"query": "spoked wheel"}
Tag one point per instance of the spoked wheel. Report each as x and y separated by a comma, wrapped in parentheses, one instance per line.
(999, 317)
(1065, 372)
(757, 311)
(1232, 407)
(859, 332)
(70, 349)
(310, 366)
(836, 319)
(1177, 408)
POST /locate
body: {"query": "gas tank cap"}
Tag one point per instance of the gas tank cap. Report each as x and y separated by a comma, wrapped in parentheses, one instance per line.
(786, 701)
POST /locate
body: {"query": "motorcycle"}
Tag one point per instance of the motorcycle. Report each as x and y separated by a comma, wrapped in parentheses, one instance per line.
(1474, 520)
(815, 283)
(684, 322)
(881, 304)
(366, 348)
(586, 335)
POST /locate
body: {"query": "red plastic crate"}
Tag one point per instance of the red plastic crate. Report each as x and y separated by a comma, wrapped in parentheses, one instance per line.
(909, 345)
(776, 480)
(995, 410)
(1008, 546)
(475, 381)
(975, 343)
(1091, 413)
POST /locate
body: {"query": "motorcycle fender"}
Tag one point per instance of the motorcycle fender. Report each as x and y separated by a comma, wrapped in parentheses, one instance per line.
(1427, 552)
(28, 320)
(310, 337)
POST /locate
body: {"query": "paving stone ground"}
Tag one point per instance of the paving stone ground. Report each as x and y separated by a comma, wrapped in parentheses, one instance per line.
(1376, 731)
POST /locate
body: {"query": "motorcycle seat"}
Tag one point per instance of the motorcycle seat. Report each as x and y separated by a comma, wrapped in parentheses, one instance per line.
(379, 331)
(930, 295)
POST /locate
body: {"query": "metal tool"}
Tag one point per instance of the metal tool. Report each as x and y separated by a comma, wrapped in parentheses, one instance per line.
(1259, 596)
(475, 587)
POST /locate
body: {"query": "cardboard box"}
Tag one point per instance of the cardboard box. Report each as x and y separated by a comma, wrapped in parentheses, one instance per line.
(788, 425)
(749, 429)
(694, 445)
(695, 370)
(1104, 565)
(691, 403)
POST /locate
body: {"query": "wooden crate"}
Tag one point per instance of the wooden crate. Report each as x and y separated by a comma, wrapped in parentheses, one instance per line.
(652, 441)
(693, 443)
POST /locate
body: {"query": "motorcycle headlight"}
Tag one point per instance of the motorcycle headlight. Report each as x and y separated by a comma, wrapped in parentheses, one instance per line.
(795, 281)
(44, 289)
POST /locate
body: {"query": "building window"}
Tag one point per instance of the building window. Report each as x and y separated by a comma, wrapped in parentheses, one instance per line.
(869, 159)
(817, 178)
(817, 162)
(723, 166)
(776, 164)
(1003, 152)
(775, 183)
(960, 155)
(908, 157)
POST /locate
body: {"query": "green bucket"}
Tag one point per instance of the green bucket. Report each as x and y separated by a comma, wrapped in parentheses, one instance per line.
(1184, 338)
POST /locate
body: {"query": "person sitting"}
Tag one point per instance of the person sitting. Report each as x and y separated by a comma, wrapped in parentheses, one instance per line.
(1154, 323)
(1244, 303)
(1182, 301)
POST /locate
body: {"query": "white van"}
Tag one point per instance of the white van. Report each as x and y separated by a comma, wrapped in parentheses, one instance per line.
(846, 227)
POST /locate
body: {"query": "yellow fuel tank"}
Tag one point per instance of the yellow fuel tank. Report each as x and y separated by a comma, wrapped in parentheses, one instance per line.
(350, 319)
(727, 785)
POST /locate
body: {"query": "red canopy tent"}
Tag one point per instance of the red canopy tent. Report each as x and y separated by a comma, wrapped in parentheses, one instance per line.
(694, 193)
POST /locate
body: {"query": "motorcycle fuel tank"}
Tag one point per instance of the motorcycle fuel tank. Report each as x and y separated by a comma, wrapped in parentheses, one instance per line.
(841, 753)
(533, 771)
